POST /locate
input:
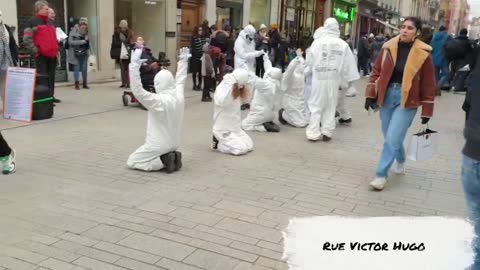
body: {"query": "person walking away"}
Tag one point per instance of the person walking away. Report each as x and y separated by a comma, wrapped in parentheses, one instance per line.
(197, 43)
(371, 38)
(261, 43)
(442, 70)
(208, 73)
(165, 116)
(228, 135)
(399, 86)
(79, 51)
(471, 154)
(362, 53)
(461, 64)
(331, 62)
(39, 38)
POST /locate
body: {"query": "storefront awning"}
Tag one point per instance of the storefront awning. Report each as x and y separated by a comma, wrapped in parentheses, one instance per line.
(388, 25)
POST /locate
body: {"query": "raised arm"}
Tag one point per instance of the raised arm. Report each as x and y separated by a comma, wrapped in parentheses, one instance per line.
(148, 100)
(182, 65)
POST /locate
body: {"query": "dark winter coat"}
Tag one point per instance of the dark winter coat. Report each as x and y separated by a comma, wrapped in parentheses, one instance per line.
(362, 49)
(377, 47)
(472, 109)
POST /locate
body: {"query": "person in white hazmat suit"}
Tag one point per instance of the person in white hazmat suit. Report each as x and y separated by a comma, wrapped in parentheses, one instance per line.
(262, 110)
(165, 116)
(293, 85)
(245, 53)
(331, 61)
(346, 90)
(228, 135)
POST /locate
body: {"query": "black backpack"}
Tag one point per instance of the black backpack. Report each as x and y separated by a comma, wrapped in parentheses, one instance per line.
(454, 49)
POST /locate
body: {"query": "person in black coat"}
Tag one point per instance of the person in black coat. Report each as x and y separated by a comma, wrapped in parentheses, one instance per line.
(362, 53)
(471, 155)
(197, 43)
(460, 76)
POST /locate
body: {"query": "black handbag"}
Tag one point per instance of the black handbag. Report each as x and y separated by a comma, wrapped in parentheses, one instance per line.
(80, 52)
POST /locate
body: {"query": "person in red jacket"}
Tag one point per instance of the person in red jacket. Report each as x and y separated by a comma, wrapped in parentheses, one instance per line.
(403, 80)
(39, 37)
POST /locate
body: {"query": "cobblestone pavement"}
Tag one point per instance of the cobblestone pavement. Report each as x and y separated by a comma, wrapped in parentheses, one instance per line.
(73, 205)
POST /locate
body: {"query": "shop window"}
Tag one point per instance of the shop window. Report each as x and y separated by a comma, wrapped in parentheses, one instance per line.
(260, 12)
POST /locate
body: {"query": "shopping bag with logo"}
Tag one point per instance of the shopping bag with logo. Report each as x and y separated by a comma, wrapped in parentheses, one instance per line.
(422, 145)
(92, 63)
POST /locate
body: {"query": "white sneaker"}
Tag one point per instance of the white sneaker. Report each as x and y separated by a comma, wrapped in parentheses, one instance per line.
(398, 168)
(8, 165)
(378, 183)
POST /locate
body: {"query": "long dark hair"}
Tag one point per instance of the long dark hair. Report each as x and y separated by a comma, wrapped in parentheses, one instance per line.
(416, 22)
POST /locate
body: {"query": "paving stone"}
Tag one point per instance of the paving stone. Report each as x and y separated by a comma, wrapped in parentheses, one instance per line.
(90, 252)
(136, 265)
(239, 207)
(12, 263)
(59, 265)
(157, 246)
(107, 233)
(127, 252)
(96, 265)
(249, 229)
(48, 251)
(227, 234)
(210, 260)
(174, 265)
(21, 254)
(227, 251)
(196, 216)
(82, 240)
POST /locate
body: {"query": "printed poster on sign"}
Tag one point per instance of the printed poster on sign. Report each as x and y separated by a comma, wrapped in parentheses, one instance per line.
(19, 89)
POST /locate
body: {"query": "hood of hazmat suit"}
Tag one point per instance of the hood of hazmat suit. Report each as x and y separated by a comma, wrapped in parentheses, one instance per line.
(165, 107)
(262, 108)
(293, 85)
(227, 116)
(332, 62)
(244, 48)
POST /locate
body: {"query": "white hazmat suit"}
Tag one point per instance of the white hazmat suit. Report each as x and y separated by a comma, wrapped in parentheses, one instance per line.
(293, 85)
(262, 110)
(165, 113)
(331, 61)
(229, 137)
(244, 48)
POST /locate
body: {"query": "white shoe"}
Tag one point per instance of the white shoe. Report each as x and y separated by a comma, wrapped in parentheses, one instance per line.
(378, 183)
(398, 168)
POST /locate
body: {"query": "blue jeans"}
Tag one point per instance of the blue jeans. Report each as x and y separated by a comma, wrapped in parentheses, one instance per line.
(442, 74)
(395, 124)
(471, 185)
(81, 67)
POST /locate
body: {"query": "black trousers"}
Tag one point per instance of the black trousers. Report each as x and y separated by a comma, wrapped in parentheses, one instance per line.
(208, 84)
(5, 150)
(124, 74)
(197, 72)
(259, 68)
(47, 66)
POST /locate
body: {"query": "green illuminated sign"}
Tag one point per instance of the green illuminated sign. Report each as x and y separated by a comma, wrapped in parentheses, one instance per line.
(345, 15)
(341, 14)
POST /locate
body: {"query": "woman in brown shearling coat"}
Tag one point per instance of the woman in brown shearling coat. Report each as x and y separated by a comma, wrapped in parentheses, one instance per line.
(403, 79)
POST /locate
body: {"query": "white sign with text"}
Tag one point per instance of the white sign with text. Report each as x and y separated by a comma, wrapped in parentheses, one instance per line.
(19, 94)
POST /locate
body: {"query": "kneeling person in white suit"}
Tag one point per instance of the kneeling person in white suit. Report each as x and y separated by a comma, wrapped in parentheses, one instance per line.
(293, 85)
(228, 135)
(165, 116)
(262, 110)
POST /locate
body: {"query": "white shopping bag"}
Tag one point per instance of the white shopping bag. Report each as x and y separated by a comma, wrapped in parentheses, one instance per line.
(92, 63)
(124, 52)
(422, 145)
